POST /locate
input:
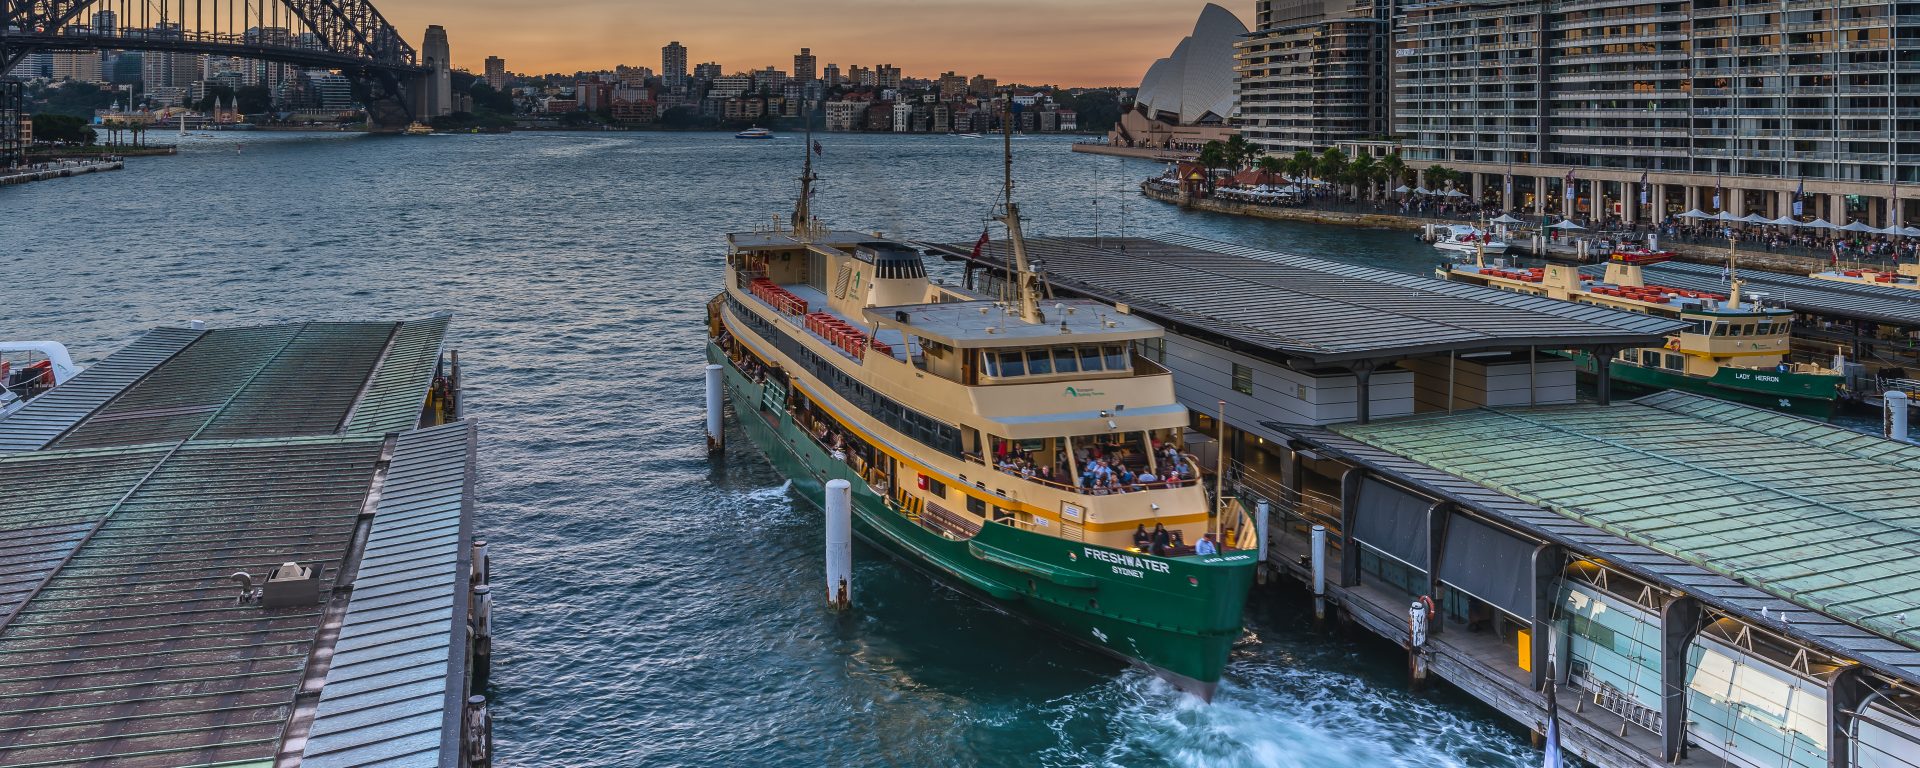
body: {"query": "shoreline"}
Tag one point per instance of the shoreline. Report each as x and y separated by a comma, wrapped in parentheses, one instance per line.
(1784, 263)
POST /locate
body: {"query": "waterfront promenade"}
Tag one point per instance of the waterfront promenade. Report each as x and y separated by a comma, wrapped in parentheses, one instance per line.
(59, 169)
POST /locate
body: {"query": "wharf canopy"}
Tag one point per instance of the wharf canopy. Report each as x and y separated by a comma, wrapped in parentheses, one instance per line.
(1756, 564)
(1311, 326)
(135, 493)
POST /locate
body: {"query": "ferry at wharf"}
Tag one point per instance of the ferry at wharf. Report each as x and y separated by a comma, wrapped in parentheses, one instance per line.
(1019, 450)
(1733, 346)
(1903, 276)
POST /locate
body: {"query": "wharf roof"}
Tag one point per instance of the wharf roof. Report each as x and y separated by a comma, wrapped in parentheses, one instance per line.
(1313, 310)
(990, 324)
(123, 639)
(1735, 503)
(260, 381)
(1800, 293)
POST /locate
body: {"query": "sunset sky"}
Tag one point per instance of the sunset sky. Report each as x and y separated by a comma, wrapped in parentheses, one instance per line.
(1064, 42)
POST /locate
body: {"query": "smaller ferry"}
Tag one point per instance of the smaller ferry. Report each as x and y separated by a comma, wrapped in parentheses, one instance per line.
(1468, 240)
(28, 369)
(968, 135)
(1732, 347)
(419, 129)
(754, 133)
(1904, 276)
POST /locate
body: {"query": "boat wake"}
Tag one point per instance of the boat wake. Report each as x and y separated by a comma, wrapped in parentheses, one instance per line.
(773, 494)
(1268, 716)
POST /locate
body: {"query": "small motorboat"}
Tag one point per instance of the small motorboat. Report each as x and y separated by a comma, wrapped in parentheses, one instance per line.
(1468, 240)
(28, 369)
(754, 133)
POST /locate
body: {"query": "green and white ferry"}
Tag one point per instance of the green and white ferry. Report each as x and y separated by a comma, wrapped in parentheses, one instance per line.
(973, 431)
(1733, 347)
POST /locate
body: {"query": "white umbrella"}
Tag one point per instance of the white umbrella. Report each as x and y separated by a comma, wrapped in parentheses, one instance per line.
(1695, 214)
(1421, 191)
(1401, 190)
(1566, 224)
(1911, 231)
(1857, 226)
(1785, 221)
(1728, 216)
(1890, 229)
(1506, 219)
(1290, 189)
(1754, 218)
(1818, 224)
(1455, 193)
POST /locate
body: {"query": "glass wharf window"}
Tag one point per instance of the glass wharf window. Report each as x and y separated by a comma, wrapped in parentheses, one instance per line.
(1242, 379)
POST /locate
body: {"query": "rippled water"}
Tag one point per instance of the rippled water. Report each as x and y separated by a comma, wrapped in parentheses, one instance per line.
(653, 609)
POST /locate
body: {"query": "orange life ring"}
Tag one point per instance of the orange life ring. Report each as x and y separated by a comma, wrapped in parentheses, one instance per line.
(1673, 343)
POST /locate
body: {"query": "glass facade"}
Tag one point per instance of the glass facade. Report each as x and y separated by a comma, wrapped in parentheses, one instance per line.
(1753, 713)
(1613, 651)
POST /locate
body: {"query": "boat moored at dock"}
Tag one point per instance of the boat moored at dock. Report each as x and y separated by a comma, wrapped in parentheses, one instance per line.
(1733, 346)
(1901, 276)
(29, 369)
(1019, 449)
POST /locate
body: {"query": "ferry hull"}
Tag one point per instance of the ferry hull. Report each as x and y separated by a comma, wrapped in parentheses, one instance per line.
(1798, 393)
(1059, 584)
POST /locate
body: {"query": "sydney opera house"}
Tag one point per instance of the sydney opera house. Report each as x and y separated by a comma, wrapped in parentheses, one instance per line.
(1185, 99)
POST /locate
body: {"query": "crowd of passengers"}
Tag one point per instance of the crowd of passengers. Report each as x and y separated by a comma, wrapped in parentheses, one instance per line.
(1104, 469)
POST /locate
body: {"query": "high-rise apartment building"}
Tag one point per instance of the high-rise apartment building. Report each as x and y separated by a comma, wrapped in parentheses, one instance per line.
(1313, 73)
(860, 77)
(803, 66)
(673, 64)
(706, 71)
(886, 76)
(769, 80)
(831, 76)
(1744, 102)
(496, 73)
(77, 65)
(981, 85)
(953, 86)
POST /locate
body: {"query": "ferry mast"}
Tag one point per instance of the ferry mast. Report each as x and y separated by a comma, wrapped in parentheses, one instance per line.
(1026, 283)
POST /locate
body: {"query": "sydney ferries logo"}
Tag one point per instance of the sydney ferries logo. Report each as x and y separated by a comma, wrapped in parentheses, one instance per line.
(1083, 392)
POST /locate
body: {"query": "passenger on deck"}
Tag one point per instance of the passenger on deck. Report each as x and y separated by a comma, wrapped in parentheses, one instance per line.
(1162, 541)
(1206, 546)
(1142, 539)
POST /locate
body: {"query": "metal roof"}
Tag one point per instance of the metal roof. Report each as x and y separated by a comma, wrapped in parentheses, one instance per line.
(1710, 587)
(387, 697)
(398, 391)
(137, 646)
(1797, 292)
(47, 416)
(981, 324)
(1311, 309)
(233, 383)
(1816, 515)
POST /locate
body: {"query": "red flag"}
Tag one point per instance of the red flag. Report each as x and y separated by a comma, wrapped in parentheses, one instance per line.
(1835, 248)
(981, 243)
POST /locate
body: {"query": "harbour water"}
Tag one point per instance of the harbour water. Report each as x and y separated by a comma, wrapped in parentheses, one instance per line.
(654, 609)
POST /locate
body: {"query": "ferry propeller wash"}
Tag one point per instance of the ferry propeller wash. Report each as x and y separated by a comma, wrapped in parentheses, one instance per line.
(1019, 449)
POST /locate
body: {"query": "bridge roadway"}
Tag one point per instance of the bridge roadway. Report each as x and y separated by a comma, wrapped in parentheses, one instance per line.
(236, 46)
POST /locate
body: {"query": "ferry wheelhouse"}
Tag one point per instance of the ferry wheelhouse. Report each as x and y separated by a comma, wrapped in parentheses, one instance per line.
(1732, 347)
(29, 369)
(1015, 447)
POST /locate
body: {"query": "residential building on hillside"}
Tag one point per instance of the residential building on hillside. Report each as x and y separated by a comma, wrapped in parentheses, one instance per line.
(673, 64)
(1313, 73)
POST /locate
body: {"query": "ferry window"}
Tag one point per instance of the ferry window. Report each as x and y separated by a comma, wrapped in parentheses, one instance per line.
(1676, 362)
(1117, 357)
(1762, 328)
(1039, 363)
(1012, 364)
(990, 362)
(1695, 325)
(976, 506)
(1735, 329)
(1154, 349)
(1065, 360)
(1090, 359)
(1649, 358)
(935, 487)
(1242, 379)
(1719, 329)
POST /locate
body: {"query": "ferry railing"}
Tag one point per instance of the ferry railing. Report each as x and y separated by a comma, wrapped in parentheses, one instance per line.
(1075, 488)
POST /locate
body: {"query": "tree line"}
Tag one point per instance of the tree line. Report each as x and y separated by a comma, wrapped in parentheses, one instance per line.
(1333, 166)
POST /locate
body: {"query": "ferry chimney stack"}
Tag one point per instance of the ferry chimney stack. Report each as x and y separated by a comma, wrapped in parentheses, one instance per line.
(839, 544)
(1895, 405)
(716, 442)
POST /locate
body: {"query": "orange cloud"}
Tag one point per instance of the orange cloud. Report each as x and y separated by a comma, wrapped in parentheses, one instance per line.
(1066, 42)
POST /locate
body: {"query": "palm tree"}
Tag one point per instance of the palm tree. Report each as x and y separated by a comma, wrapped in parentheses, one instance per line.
(1396, 169)
(1362, 170)
(1302, 163)
(1213, 155)
(1270, 165)
(1238, 151)
(1438, 176)
(1332, 165)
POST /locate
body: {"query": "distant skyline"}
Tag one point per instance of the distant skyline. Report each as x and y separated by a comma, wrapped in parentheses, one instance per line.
(1063, 42)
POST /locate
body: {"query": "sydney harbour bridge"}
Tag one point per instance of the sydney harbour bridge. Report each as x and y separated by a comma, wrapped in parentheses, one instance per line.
(346, 35)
